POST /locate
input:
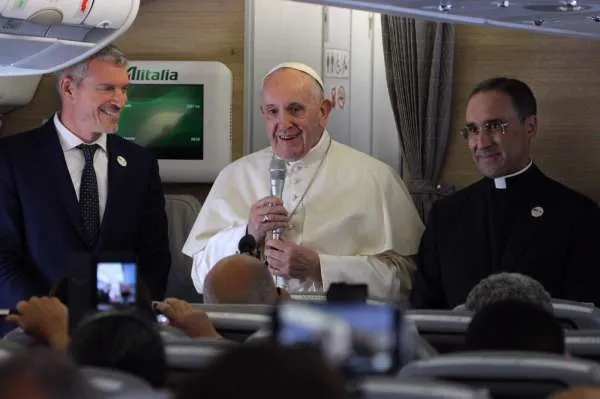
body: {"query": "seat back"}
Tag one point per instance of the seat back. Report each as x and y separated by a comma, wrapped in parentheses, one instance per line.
(163, 394)
(194, 354)
(114, 383)
(322, 297)
(237, 322)
(388, 388)
(413, 346)
(8, 348)
(444, 329)
(576, 315)
(18, 338)
(508, 374)
(182, 210)
(584, 344)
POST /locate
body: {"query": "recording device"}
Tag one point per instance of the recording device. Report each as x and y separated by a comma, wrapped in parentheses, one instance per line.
(116, 285)
(160, 317)
(347, 293)
(357, 338)
(102, 282)
(277, 172)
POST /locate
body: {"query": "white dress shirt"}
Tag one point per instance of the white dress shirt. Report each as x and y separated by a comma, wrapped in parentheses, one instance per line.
(76, 161)
(356, 209)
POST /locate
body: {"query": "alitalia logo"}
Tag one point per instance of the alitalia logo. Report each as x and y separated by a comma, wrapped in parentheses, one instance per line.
(147, 74)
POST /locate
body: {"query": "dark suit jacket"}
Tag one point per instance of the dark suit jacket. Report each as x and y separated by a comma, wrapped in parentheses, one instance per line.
(560, 248)
(41, 225)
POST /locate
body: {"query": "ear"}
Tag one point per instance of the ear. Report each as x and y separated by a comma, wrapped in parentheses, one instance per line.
(531, 126)
(325, 108)
(67, 87)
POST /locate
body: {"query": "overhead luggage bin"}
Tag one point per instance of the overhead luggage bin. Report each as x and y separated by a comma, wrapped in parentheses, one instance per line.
(43, 36)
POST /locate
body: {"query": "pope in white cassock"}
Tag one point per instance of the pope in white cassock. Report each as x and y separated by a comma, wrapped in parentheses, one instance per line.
(346, 217)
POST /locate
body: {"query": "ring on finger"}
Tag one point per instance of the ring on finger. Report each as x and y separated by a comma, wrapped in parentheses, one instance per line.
(265, 219)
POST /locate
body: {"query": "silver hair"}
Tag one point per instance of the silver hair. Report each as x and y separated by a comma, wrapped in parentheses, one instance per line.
(503, 286)
(79, 71)
(261, 291)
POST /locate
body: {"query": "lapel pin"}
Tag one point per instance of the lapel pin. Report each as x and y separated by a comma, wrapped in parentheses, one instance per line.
(537, 211)
(121, 161)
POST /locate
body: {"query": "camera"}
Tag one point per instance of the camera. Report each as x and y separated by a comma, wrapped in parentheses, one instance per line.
(116, 285)
(358, 338)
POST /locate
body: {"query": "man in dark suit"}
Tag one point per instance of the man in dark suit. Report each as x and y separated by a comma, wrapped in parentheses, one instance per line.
(72, 186)
(515, 219)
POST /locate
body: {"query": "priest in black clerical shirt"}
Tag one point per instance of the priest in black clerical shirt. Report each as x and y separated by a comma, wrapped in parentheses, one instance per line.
(515, 219)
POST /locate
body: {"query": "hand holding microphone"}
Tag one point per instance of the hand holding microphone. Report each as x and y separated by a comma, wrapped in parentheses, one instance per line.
(266, 215)
(269, 214)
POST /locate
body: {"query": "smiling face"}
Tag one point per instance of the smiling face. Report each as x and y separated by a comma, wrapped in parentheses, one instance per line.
(93, 105)
(502, 151)
(294, 111)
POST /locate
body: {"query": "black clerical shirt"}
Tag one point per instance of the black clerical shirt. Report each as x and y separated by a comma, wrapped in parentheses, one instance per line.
(534, 226)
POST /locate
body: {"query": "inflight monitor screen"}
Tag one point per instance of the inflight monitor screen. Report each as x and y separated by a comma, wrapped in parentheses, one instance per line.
(168, 119)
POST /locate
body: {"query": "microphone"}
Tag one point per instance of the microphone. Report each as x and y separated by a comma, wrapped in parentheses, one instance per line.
(247, 245)
(277, 171)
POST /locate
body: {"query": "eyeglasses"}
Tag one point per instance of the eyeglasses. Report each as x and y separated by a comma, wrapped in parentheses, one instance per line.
(493, 127)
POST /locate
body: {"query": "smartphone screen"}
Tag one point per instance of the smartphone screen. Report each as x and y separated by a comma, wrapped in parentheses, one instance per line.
(365, 339)
(116, 285)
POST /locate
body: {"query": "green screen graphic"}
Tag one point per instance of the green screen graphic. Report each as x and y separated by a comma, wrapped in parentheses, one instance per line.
(167, 119)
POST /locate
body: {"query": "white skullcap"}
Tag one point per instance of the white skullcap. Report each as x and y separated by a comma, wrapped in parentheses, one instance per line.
(299, 67)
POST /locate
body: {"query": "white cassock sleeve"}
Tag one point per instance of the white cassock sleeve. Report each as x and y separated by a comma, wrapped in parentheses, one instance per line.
(386, 279)
(222, 244)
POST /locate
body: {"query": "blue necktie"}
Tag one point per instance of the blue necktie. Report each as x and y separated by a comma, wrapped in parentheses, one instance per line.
(89, 204)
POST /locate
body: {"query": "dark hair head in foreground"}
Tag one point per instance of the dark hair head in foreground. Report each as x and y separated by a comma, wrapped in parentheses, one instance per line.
(513, 325)
(505, 286)
(121, 340)
(266, 370)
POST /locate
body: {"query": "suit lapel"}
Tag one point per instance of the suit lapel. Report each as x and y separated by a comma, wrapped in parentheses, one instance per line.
(118, 172)
(51, 153)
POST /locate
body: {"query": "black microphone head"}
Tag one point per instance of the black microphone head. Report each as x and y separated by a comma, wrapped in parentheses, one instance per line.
(247, 244)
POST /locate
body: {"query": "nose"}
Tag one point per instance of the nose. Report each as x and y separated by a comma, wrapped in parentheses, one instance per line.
(119, 98)
(482, 140)
(285, 120)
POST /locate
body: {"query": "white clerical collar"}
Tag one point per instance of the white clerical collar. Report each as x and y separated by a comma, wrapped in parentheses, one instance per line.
(68, 140)
(316, 153)
(500, 182)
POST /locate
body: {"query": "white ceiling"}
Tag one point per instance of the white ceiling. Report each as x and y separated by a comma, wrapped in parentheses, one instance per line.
(565, 17)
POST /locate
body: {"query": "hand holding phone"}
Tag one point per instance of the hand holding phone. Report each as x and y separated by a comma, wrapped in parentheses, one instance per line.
(182, 315)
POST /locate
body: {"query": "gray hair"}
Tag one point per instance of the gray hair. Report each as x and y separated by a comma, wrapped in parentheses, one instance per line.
(50, 372)
(260, 291)
(512, 286)
(79, 71)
